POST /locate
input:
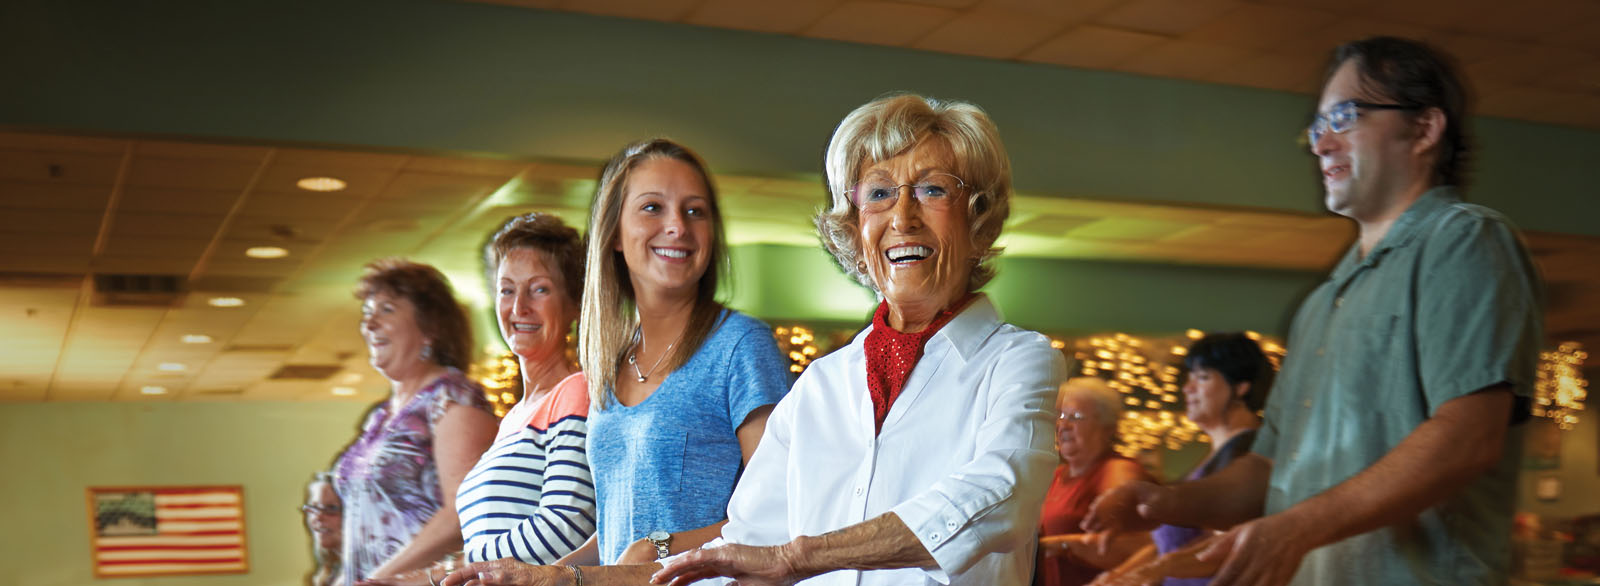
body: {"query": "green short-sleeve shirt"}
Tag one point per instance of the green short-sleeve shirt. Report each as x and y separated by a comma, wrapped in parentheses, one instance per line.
(1448, 303)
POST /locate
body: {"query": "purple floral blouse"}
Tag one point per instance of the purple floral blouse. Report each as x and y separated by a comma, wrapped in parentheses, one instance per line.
(387, 477)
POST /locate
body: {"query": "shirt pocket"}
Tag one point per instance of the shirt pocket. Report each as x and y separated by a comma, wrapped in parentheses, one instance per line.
(667, 450)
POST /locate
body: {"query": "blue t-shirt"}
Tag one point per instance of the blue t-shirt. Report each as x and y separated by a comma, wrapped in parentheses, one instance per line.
(670, 462)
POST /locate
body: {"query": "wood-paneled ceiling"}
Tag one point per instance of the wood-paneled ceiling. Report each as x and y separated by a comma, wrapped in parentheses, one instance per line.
(73, 207)
(1536, 60)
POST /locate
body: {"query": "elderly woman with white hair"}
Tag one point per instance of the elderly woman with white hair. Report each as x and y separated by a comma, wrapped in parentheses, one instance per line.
(919, 453)
(1086, 432)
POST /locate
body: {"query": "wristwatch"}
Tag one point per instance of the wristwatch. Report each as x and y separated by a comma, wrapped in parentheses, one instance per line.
(660, 539)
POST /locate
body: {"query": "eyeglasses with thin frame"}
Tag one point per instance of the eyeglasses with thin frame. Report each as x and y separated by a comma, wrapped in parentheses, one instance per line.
(879, 193)
(321, 509)
(1074, 416)
(1342, 117)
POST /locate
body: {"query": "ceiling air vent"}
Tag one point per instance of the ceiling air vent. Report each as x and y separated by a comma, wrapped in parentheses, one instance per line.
(222, 392)
(306, 371)
(138, 290)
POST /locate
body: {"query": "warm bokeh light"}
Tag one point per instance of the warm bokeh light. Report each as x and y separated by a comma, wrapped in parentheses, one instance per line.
(322, 184)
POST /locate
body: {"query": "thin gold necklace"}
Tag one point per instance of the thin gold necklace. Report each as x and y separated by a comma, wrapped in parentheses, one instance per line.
(633, 356)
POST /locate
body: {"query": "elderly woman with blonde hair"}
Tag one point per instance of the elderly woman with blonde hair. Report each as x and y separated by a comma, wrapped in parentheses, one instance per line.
(919, 453)
(1086, 432)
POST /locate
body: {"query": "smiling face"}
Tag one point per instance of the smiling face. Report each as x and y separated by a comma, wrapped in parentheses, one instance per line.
(1366, 169)
(531, 305)
(325, 520)
(1080, 434)
(918, 254)
(665, 228)
(394, 342)
(1207, 396)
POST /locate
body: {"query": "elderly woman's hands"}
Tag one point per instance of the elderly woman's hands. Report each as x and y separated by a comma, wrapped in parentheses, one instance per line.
(508, 572)
(750, 565)
(1130, 507)
(1182, 563)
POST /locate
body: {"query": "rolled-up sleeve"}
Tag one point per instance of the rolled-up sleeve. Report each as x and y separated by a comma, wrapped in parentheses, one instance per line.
(991, 504)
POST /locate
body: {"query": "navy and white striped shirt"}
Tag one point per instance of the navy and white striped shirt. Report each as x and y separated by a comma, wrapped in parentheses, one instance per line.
(531, 495)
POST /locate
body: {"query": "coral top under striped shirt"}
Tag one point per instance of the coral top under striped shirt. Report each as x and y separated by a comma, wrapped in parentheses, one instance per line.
(531, 496)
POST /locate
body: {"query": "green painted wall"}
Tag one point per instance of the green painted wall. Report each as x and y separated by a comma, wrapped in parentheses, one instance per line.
(470, 77)
(51, 452)
(1051, 295)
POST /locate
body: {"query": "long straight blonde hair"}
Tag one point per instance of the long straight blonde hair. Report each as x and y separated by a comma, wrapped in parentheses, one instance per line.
(610, 309)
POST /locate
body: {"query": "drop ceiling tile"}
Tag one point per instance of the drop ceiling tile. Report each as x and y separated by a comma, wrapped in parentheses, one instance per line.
(272, 231)
(1471, 49)
(879, 23)
(1257, 27)
(332, 159)
(1062, 13)
(1530, 66)
(286, 206)
(184, 249)
(119, 263)
(21, 244)
(171, 200)
(359, 182)
(53, 261)
(59, 168)
(250, 267)
(31, 195)
(1578, 34)
(252, 155)
(1184, 60)
(665, 10)
(23, 141)
(1524, 20)
(1320, 43)
(1272, 71)
(49, 221)
(1166, 17)
(778, 17)
(167, 225)
(191, 174)
(501, 170)
(1127, 229)
(1093, 47)
(991, 33)
(437, 188)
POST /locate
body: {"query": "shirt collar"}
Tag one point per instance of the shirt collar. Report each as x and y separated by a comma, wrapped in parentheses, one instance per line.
(1404, 230)
(968, 329)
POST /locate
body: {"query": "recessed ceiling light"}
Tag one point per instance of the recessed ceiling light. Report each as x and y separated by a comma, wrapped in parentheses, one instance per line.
(196, 339)
(320, 184)
(171, 367)
(153, 390)
(266, 252)
(225, 302)
(350, 378)
(344, 391)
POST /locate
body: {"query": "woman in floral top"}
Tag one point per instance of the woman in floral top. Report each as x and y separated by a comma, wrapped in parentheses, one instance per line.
(399, 477)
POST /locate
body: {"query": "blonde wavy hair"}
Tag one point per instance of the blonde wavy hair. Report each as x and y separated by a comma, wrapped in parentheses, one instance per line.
(895, 124)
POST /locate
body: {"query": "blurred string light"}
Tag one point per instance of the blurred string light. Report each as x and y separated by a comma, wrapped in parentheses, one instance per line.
(500, 375)
(799, 343)
(1147, 371)
(1560, 390)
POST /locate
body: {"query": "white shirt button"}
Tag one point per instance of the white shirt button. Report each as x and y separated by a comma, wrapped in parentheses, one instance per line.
(951, 525)
(934, 537)
(858, 491)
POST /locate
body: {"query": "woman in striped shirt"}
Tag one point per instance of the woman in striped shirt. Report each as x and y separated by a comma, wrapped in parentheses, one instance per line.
(531, 496)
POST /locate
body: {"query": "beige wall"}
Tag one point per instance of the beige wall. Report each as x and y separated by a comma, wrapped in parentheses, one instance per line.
(50, 452)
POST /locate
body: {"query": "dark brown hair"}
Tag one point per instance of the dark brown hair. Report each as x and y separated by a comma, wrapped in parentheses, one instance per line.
(1412, 73)
(441, 319)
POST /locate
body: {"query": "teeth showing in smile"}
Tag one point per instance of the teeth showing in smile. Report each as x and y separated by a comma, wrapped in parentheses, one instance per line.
(671, 253)
(907, 254)
(525, 327)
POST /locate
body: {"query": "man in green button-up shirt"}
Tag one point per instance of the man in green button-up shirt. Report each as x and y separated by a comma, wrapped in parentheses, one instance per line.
(1387, 454)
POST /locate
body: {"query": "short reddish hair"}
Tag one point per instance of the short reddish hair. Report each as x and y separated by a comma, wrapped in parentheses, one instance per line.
(441, 319)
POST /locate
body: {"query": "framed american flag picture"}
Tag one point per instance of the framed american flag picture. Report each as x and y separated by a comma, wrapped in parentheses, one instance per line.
(167, 531)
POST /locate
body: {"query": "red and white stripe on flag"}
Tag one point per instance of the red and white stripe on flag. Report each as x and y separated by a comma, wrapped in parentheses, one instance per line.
(162, 531)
